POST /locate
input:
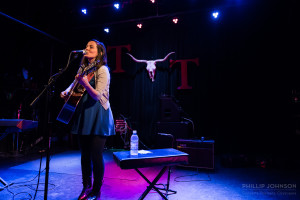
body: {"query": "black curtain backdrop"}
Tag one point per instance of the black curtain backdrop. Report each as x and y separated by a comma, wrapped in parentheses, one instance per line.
(240, 94)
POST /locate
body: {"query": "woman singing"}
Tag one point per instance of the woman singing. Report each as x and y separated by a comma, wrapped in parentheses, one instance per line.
(93, 118)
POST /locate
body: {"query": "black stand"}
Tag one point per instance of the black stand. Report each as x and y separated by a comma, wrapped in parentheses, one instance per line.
(4, 183)
(153, 183)
(45, 128)
(51, 81)
(166, 187)
(167, 141)
(157, 157)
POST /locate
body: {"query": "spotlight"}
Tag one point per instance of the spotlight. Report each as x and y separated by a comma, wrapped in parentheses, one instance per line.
(175, 20)
(139, 25)
(152, 1)
(106, 30)
(215, 14)
(84, 11)
(117, 6)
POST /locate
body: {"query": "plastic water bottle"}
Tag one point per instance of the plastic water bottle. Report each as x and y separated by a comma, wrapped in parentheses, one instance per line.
(134, 144)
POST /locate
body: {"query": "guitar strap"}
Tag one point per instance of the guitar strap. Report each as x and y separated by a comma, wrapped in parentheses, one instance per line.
(90, 76)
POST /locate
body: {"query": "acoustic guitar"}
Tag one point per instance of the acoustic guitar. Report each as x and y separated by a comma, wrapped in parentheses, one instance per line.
(74, 96)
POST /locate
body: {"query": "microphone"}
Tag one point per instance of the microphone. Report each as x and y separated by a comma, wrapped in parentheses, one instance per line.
(79, 51)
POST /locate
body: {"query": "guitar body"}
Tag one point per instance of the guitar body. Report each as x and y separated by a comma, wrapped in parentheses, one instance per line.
(68, 110)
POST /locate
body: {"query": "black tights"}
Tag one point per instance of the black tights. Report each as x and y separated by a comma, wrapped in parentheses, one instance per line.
(92, 147)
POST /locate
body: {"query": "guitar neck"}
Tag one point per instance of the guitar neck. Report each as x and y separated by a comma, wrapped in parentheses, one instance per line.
(75, 84)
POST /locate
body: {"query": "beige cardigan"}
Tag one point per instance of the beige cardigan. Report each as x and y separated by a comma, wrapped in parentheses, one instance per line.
(102, 81)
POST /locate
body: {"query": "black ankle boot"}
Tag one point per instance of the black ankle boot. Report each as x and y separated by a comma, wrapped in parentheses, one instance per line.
(96, 192)
(87, 188)
(93, 195)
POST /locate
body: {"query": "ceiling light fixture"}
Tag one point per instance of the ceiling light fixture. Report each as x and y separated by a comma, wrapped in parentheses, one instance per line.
(215, 14)
(117, 6)
(106, 30)
(139, 25)
(84, 11)
(175, 20)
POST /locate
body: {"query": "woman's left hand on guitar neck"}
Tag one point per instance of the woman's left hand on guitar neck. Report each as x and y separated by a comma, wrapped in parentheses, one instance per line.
(83, 80)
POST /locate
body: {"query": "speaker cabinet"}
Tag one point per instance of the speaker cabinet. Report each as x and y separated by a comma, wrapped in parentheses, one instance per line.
(170, 111)
(179, 130)
(201, 153)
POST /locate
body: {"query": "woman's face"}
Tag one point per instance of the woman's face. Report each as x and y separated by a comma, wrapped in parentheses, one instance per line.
(91, 50)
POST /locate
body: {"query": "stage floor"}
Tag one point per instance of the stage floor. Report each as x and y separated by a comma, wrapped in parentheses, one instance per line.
(222, 183)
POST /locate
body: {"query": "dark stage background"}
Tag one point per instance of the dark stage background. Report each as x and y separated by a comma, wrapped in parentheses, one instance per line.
(243, 90)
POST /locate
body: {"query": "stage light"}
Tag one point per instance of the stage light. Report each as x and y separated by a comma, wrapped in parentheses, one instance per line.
(84, 11)
(175, 20)
(117, 6)
(139, 25)
(215, 14)
(106, 30)
(152, 1)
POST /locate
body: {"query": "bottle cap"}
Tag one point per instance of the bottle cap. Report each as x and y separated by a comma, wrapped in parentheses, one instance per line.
(134, 131)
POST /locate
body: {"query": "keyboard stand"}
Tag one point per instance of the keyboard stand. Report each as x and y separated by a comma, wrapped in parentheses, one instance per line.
(156, 157)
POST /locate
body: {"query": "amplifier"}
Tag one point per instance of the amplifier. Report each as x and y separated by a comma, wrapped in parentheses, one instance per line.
(201, 153)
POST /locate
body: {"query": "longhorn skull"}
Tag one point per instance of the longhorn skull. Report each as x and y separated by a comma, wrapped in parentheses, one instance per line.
(151, 64)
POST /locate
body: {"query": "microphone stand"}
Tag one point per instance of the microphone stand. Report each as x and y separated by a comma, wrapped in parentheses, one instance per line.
(51, 81)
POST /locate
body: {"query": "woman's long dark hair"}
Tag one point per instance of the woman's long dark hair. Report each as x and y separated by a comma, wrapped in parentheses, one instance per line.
(100, 59)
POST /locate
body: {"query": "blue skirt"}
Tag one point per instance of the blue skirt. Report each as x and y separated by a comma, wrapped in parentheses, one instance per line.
(91, 118)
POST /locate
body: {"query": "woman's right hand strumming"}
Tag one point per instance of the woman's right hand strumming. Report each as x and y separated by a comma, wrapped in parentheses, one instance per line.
(64, 94)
